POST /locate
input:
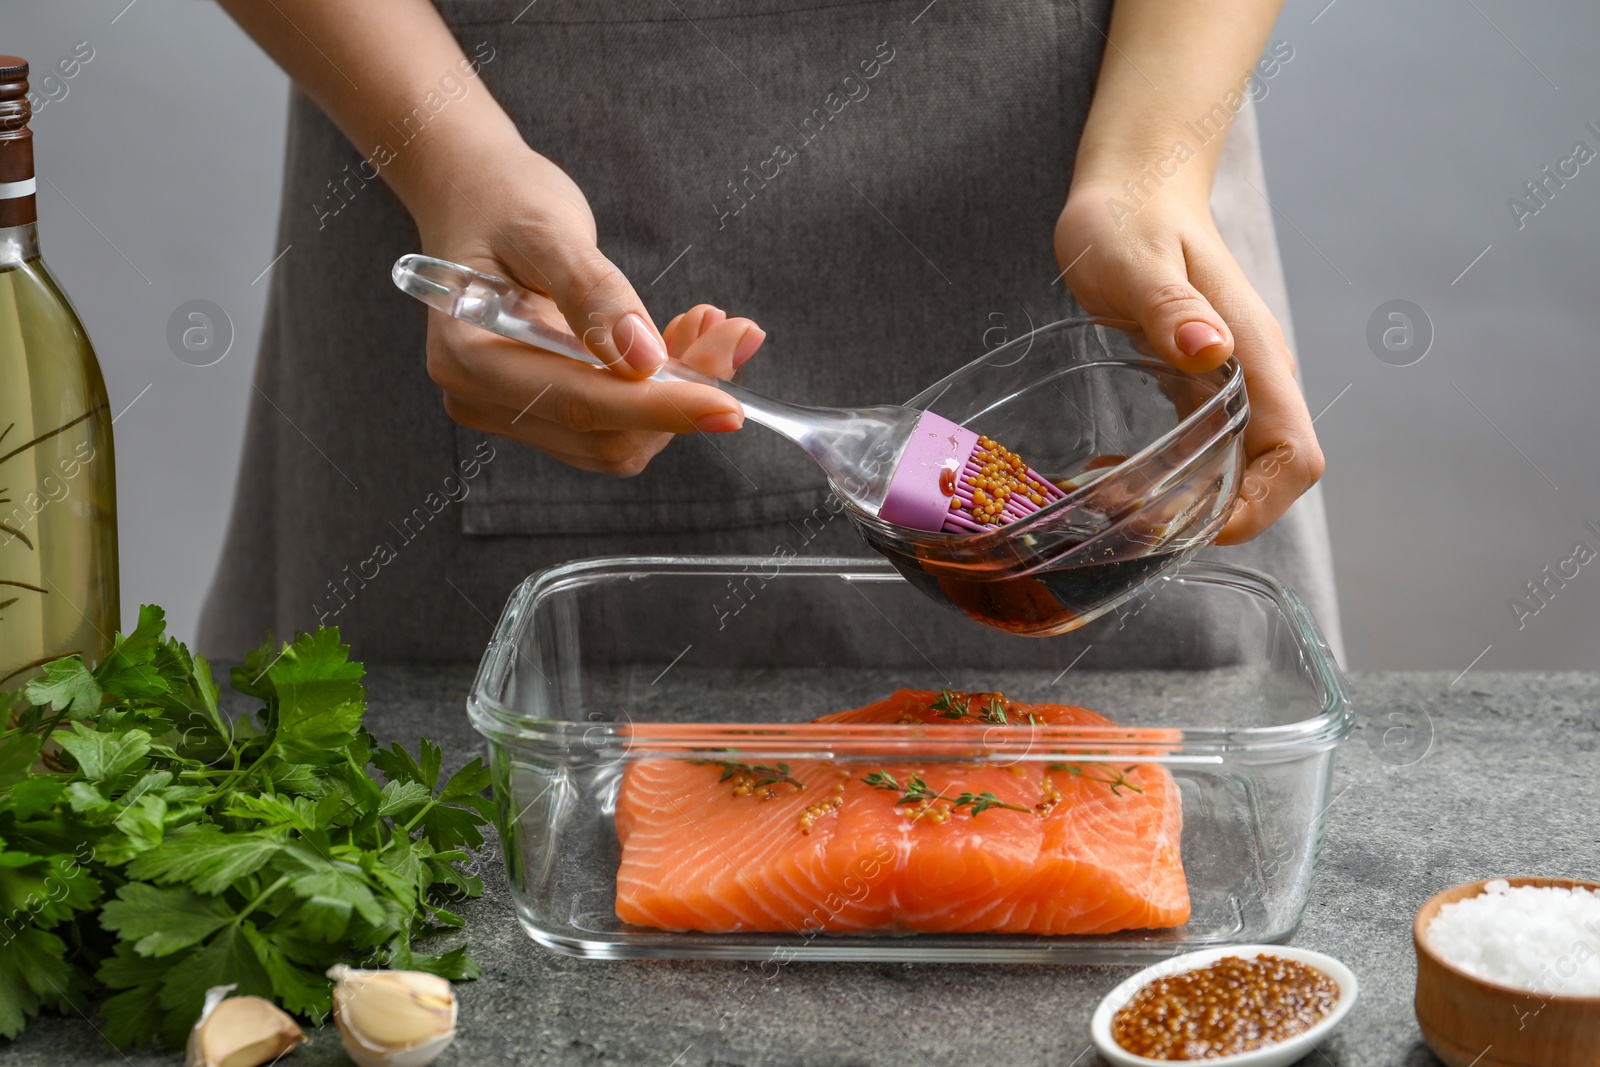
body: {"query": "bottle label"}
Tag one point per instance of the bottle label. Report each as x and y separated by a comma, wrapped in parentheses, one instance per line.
(13, 190)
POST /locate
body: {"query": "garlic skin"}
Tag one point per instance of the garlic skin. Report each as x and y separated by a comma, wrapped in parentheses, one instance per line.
(393, 1018)
(240, 1032)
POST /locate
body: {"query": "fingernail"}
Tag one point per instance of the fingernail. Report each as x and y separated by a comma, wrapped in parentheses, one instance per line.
(748, 344)
(720, 422)
(1195, 337)
(637, 344)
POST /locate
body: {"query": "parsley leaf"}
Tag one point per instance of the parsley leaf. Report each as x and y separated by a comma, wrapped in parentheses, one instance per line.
(448, 827)
(398, 765)
(43, 890)
(161, 921)
(317, 876)
(143, 821)
(473, 779)
(207, 857)
(17, 754)
(132, 1015)
(34, 973)
(34, 795)
(298, 813)
(303, 991)
(66, 685)
(404, 799)
(127, 671)
(103, 756)
(455, 965)
(319, 698)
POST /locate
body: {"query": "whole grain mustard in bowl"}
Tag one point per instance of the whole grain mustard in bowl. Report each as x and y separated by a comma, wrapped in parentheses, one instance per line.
(1243, 1006)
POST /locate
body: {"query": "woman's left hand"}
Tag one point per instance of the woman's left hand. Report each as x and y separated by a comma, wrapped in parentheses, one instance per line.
(1165, 267)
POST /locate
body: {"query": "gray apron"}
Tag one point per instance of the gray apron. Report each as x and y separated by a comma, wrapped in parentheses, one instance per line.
(875, 183)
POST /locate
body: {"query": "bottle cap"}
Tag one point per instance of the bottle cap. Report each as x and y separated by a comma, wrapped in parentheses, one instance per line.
(15, 109)
(16, 144)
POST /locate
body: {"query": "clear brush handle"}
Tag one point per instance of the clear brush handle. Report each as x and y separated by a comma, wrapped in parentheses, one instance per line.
(505, 308)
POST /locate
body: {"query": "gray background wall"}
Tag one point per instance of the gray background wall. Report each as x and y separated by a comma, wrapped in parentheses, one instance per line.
(1393, 138)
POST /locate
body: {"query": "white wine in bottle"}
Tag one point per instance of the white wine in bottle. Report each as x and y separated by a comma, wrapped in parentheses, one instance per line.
(58, 512)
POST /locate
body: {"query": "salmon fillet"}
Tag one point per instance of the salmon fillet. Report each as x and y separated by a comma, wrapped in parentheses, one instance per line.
(813, 845)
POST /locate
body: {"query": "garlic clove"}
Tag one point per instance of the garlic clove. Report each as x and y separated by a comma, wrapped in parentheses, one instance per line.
(240, 1032)
(393, 1018)
(364, 1055)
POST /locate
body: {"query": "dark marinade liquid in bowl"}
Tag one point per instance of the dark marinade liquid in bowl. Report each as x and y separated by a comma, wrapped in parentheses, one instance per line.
(1082, 409)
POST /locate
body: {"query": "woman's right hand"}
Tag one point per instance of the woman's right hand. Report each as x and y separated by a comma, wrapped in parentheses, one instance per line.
(481, 196)
(518, 215)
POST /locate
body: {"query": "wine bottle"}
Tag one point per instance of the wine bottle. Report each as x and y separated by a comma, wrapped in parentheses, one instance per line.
(58, 514)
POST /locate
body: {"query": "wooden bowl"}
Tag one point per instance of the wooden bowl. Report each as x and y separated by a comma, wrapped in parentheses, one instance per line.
(1468, 1021)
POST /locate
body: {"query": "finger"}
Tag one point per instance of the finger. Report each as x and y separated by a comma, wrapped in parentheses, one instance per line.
(672, 330)
(596, 466)
(749, 344)
(635, 465)
(723, 348)
(479, 367)
(1180, 323)
(601, 307)
(682, 331)
(611, 452)
(712, 316)
(1283, 457)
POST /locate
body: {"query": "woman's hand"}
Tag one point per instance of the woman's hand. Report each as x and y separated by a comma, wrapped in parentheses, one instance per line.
(1165, 267)
(1148, 251)
(525, 220)
(481, 196)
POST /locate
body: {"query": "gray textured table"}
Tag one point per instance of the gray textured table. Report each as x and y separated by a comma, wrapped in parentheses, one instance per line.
(1493, 775)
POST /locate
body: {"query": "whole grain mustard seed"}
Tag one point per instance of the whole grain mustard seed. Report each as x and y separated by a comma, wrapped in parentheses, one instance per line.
(1234, 1005)
(1049, 796)
(827, 806)
(994, 475)
(767, 783)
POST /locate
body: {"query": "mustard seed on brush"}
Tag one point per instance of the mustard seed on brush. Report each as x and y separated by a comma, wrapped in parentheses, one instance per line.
(997, 487)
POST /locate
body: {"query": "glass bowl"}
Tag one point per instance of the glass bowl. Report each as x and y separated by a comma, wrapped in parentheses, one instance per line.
(1151, 458)
(603, 665)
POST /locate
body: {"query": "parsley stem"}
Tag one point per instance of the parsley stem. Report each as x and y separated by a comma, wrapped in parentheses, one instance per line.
(260, 899)
(429, 806)
(237, 774)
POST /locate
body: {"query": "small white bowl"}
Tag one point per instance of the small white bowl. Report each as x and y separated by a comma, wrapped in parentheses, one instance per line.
(1279, 1055)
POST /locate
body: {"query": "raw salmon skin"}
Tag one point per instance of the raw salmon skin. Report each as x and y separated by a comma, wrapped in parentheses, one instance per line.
(719, 845)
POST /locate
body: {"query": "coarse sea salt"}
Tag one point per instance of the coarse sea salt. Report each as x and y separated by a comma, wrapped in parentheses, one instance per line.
(1545, 939)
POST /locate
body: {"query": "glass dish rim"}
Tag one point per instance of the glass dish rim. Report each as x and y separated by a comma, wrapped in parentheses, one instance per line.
(1331, 725)
(1232, 387)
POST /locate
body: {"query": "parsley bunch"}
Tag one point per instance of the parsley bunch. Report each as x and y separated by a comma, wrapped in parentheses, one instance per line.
(151, 848)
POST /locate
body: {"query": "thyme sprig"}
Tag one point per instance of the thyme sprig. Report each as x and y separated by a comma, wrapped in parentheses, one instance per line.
(1119, 782)
(916, 791)
(760, 773)
(952, 705)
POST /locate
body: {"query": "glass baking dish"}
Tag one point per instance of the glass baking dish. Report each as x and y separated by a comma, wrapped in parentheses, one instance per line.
(599, 663)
